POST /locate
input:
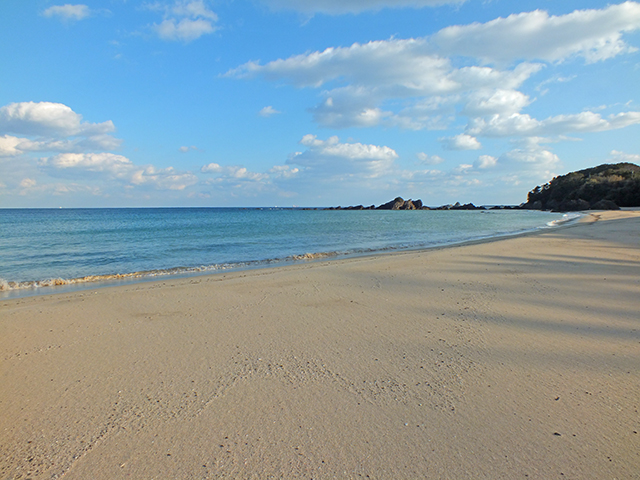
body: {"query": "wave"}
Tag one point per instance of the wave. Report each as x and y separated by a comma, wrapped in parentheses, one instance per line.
(566, 218)
(10, 286)
(6, 285)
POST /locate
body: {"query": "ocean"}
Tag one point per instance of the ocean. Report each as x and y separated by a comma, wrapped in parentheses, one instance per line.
(52, 250)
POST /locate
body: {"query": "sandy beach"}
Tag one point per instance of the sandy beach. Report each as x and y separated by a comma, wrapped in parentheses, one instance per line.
(515, 358)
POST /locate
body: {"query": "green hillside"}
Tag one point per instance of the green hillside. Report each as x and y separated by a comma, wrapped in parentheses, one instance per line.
(599, 188)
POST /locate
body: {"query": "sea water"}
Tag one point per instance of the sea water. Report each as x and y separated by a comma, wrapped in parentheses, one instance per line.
(44, 249)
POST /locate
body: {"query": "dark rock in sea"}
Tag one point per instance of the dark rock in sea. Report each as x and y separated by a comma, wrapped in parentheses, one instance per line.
(467, 206)
(604, 205)
(400, 204)
(504, 207)
(459, 206)
(395, 204)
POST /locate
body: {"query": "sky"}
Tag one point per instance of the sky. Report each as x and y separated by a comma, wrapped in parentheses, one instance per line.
(128, 103)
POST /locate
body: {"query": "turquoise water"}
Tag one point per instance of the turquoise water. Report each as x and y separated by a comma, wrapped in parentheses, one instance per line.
(40, 248)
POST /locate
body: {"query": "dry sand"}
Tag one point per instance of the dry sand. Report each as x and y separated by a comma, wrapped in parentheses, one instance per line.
(518, 358)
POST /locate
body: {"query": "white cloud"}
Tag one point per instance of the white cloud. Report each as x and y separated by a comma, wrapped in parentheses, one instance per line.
(268, 111)
(498, 101)
(537, 157)
(28, 183)
(332, 158)
(594, 35)
(46, 118)
(51, 127)
(462, 169)
(185, 20)
(284, 171)
(337, 7)
(541, 87)
(184, 29)
(617, 156)
(519, 124)
(115, 165)
(233, 172)
(408, 64)
(485, 161)
(9, 146)
(429, 159)
(109, 166)
(163, 178)
(391, 69)
(397, 82)
(68, 12)
(461, 142)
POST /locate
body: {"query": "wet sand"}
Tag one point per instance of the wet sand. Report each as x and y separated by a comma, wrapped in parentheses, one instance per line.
(516, 358)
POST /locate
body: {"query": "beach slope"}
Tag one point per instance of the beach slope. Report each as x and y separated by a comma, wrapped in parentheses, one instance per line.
(516, 358)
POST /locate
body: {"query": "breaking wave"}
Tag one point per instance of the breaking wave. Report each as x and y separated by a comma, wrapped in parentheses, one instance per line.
(6, 285)
(566, 218)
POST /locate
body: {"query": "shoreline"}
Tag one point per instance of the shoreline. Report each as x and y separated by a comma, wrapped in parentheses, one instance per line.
(58, 285)
(510, 358)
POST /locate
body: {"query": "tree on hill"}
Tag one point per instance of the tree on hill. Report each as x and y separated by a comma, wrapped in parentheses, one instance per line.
(603, 187)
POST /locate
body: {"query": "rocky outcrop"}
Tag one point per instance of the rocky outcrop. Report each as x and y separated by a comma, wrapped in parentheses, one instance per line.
(399, 203)
(458, 206)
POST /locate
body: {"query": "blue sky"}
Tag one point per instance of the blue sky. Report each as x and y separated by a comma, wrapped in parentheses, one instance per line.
(310, 102)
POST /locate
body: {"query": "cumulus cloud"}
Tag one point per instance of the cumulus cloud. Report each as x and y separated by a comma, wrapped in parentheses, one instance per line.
(28, 183)
(461, 142)
(185, 20)
(498, 101)
(68, 12)
(163, 178)
(518, 124)
(382, 70)
(332, 158)
(268, 111)
(429, 159)
(9, 146)
(485, 161)
(617, 156)
(408, 64)
(535, 157)
(594, 35)
(284, 171)
(54, 127)
(233, 172)
(51, 127)
(397, 82)
(115, 165)
(46, 118)
(109, 166)
(338, 7)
